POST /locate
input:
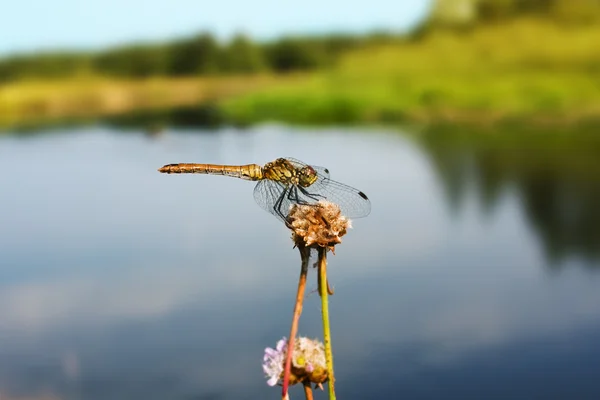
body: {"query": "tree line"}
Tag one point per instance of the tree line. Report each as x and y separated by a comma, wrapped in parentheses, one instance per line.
(201, 54)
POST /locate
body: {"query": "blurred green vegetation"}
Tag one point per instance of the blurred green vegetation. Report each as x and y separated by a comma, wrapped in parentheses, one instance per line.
(533, 60)
(198, 55)
(472, 61)
(474, 12)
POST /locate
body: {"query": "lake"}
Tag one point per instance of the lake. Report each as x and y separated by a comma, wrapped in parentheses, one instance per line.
(476, 276)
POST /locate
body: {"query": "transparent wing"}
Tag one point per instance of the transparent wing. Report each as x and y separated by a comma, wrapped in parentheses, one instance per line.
(277, 198)
(266, 194)
(352, 202)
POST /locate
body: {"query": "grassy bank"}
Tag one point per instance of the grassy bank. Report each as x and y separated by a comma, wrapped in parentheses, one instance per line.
(39, 102)
(525, 70)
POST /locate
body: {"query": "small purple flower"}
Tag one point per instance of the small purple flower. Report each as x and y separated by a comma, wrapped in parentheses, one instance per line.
(308, 362)
(273, 362)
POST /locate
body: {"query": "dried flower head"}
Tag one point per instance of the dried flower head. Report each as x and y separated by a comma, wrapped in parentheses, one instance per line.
(308, 362)
(319, 224)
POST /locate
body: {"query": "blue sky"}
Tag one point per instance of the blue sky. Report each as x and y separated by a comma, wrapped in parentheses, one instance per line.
(32, 25)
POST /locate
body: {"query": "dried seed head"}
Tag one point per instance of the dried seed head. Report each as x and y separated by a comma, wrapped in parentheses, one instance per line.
(319, 224)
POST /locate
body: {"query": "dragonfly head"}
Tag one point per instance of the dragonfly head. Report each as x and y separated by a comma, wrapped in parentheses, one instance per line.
(307, 176)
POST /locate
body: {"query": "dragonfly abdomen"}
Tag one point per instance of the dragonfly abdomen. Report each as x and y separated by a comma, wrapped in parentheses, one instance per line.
(251, 172)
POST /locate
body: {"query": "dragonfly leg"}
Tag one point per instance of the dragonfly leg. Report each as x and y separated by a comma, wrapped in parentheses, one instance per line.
(279, 202)
(295, 198)
(291, 194)
(313, 196)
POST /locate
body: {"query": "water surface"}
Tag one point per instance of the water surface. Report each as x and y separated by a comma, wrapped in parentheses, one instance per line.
(475, 276)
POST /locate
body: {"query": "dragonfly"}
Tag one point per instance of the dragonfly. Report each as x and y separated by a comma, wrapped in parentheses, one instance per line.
(285, 182)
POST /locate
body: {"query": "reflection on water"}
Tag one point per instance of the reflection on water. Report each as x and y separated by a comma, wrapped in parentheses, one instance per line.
(153, 121)
(119, 282)
(206, 115)
(556, 175)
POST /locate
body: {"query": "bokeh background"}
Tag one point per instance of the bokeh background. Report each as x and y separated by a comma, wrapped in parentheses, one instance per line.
(479, 61)
(471, 124)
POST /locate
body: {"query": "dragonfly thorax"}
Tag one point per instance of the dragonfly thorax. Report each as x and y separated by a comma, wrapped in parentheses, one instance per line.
(283, 171)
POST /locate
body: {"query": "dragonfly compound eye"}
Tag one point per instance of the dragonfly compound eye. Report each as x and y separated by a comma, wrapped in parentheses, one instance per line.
(307, 176)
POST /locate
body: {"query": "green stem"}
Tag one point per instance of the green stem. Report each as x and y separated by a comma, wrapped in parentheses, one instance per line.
(323, 292)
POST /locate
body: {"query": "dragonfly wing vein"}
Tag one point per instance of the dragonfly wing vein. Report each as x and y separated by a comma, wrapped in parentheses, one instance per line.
(352, 202)
(267, 194)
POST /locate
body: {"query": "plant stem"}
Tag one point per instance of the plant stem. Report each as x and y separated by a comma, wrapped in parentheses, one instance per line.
(304, 256)
(307, 390)
(324, 293)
